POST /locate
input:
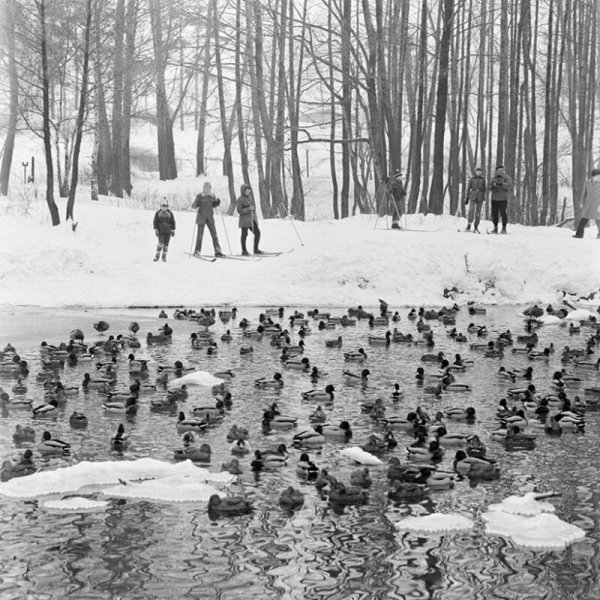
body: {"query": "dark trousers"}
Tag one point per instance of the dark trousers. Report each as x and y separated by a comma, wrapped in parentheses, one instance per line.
(475, 212)
(499, 211)
(163, 244)
(210, 223)
(256, 231)
(582, 225)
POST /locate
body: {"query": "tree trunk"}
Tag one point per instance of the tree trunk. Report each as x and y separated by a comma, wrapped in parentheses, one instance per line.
(239, 83)
(200, 158)
(13, 95)
(116, 181)
(82, 110)
(128, 78)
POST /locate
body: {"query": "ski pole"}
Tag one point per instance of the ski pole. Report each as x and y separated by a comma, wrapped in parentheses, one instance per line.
(193, 240)
(225, 229)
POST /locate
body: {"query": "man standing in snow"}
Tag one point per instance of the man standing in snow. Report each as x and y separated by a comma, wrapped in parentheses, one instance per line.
(476, 196)
(248, 221)
(591, 208)
(205, 202)
(501, 187)
(398, 196)
(164, 228)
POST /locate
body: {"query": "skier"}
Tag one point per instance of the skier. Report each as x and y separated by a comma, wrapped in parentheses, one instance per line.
(205, 202)
(164, 228)
(398, 196)
(475, 195)
(501, 187)
(248, 221)
(591, 209)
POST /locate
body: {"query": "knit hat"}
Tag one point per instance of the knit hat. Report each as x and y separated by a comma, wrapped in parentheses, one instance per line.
(595, 172)
(165, 202)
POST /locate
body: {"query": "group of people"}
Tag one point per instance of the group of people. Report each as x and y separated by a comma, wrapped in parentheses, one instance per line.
(501, 188)
(205, 203)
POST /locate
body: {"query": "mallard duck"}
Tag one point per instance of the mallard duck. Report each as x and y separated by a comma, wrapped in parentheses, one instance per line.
(119, 441)
(275, 383)
(236, 433)
(361, 478)
(306, 467)
(439, 481)
(344, 496)
(101, 326)
(362, 377)
(475, 447)
(231, 505)
(184, 424)
(569, 421)
(78, 420)
(240, 447)
(397, 393)
(128, 406)
(209, 414)
(380, 340)
(19, 388)
(406, 491)
(309, 438)
(337, 343)
(291, 498)
(586, 364)
(46, 411)
(24, 467)
(399, 423)
(232, 466)
(15, 402)
(102, 385)
(475, 468)
(274, 420)
(431, 452)
(302, 364)
(519, 420)
(318, 415)
(461, 414)
(338, 432)
(504, 374)
(193, 453)
(326, 395)
(356, 356)
(23, 433)
(49, 446)
(267, 461)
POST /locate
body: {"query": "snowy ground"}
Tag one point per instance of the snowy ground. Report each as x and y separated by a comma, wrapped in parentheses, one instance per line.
(107, 261)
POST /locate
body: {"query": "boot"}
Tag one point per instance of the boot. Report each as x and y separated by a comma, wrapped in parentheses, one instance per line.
(165, 253)
(495, 230)
(156, 258)
(503, 230)
(468, 227)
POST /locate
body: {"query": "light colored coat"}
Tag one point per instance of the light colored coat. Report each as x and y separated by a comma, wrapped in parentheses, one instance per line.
(246, 209)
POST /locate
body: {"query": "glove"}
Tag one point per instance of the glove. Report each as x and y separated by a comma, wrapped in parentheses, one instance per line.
(217, 202)
(466, 201)
(173, 233)
(156, 232)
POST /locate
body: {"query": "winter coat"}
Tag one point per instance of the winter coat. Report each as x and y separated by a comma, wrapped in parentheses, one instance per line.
(397, 189)
(591, 197)
(476, 189)
(205, 204)
(246, 209)
(164, 221)
(501, 188)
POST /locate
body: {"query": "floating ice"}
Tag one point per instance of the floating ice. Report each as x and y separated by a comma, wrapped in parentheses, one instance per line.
(529, 522)
(436, 523)
(581, 314)
(71, 479)
(202, 378)
(360, 456)
(178, 488)
(549, 319)
(75, 504)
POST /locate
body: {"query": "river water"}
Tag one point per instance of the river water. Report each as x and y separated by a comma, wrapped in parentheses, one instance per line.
(142, 549)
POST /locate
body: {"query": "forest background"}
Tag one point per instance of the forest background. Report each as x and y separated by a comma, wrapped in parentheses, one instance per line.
(278, 91)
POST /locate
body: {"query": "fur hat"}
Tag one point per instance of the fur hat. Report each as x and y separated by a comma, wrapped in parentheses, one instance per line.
(595, 172)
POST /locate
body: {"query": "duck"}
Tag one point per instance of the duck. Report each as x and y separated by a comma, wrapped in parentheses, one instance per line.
(361, 478)
(306, 467)
(326, 395)
(475, 468)
(236, 433)
(23, 433)
(210, 414)
(362, 377)
(24, 467)
(101, 326)
(397, 393)
(119, 441)
(46, 411)
(100, 384)
(399, 423)
(194, 453)
(49, 446)
(515, 439)
(302, 364)
(229, 506)
(519, 420)
(275, 383)
(569, 421)
(128, 406)
(461, 414)
(380, 340)
(309, 438)
(175, 394)
(78, 420)
(431, 452)
(232, 466)
(267, 461)
(337, 432)
(184, 424)
(16, 402)
(318, 415)
(341, 495)
(475, 447)
(337, 343)
(240, 447)
(273, 419)
(291, 498)
(504, 374)
(19, 388)
(439, 481)
(406, 491)
(356, 356)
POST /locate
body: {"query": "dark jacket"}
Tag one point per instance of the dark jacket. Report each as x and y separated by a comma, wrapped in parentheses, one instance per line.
(397, 189)
(164, 221)
(476, 189)
(501, 188)
(205, 204)
(246, 208)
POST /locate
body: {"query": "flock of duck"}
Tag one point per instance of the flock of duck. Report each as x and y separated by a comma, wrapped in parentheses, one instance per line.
(112, 371)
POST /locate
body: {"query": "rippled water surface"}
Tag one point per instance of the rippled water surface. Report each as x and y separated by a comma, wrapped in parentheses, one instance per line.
(140, 549)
